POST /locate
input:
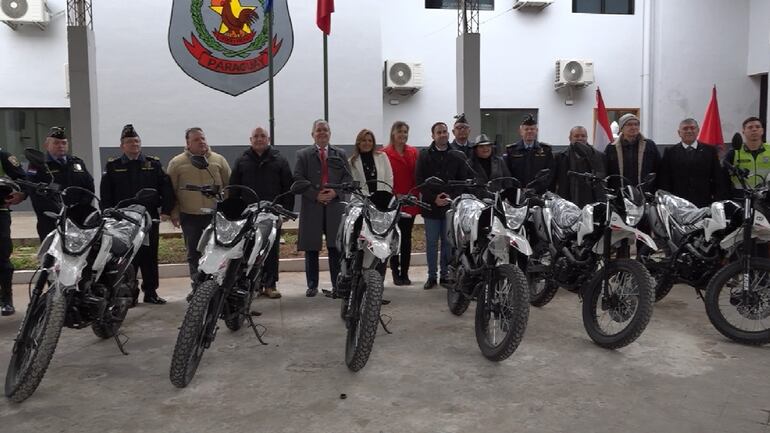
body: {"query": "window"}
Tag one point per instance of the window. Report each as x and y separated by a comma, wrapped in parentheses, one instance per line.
(614, 114)
(484, 5)
(624, 7)
(28, 127)
(502, 124)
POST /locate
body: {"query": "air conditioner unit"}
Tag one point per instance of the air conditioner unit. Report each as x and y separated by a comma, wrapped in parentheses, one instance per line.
(531, 4)
(576, 73)
(402, 77)
(18, 12)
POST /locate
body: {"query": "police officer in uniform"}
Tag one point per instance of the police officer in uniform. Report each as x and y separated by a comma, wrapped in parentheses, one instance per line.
(9, 167)
(462, 130)
(753, 156)
(528, 156)
(61, 168)
(123, 177)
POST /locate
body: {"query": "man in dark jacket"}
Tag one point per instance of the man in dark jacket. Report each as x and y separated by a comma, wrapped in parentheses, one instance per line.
(691, 170)
(123, 177)
(632, 155)
(61, 168)
(263, 169)
(462, 131)
(9, 167)
(440, 161)
(528, 156)
(580, 157)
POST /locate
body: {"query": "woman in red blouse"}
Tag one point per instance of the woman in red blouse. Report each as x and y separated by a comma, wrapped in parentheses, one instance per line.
(403, 160)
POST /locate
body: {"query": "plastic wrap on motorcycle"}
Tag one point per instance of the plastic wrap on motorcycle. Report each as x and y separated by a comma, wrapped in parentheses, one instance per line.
(352, 215)
(215, 258)
(380, 247)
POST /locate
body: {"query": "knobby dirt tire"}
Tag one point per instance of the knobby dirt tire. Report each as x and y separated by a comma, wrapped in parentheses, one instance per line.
(357, 352)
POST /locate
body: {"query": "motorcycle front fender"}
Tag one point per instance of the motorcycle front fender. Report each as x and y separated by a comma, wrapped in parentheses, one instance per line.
(380, 247)
(215, 259)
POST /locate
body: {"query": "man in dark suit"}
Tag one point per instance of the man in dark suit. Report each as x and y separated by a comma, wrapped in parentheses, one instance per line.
(322, 207)
(691, 170)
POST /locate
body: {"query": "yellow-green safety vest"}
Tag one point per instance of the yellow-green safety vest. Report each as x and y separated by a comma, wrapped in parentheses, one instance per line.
(759, 167)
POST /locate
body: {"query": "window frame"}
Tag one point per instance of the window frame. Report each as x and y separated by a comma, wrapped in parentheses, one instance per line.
(603, 8)
(482, 7)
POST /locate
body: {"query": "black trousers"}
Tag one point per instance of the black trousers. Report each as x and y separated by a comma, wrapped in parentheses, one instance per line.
(6, 248)
(270, 268)
(400, 263)
(146, 261)
(192, 229)
(44, 226)
(311, 261)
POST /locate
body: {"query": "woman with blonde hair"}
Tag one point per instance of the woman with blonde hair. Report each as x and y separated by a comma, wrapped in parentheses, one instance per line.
(370, 165)
(403, 160)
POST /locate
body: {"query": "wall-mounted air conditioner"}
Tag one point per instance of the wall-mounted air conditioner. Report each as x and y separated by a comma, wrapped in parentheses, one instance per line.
(402, 77)
(577, 73)
(531, 4)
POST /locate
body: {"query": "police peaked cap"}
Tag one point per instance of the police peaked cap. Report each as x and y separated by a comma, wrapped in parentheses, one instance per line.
(460, 118)
(128, 132)
(57, 132)
(529, 120)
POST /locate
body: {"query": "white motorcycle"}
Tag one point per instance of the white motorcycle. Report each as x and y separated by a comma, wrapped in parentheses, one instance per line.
(234, 246)
(86, 264)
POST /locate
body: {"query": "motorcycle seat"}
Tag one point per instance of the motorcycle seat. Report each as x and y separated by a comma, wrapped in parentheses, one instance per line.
(683, 212)
(566, 214)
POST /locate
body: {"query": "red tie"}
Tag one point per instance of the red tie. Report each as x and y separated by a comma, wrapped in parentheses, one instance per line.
(324, 167)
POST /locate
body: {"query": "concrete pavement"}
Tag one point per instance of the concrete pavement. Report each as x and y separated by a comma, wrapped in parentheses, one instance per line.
(428, 376)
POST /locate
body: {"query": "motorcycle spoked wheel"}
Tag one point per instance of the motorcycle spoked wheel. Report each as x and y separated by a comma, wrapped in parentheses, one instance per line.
(616, 315)
(35, 345)
(501, 321)
(542, 287)
(742, 317)
(198, 324)
(362, 327)
(116, 313)
(662, 279)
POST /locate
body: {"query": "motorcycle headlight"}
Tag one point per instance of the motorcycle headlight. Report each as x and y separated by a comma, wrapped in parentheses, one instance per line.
(380, 221)
(514, 216)
(227, 231)
(76, 240)
(634, 213)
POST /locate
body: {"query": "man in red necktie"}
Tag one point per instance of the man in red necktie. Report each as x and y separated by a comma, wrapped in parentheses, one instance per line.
(322, 208)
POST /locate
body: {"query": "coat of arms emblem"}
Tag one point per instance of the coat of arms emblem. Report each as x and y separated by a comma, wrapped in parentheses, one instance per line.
(224, 43)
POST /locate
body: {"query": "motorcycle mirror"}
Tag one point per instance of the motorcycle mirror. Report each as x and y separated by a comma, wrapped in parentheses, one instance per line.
(34, 156)
(199, 162)
(146, 194)
(434, 181)
(300, 186)
(737, 141)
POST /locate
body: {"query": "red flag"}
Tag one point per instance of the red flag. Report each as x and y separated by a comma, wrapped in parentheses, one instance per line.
(602, 130)
(323, 16)
(711, 128)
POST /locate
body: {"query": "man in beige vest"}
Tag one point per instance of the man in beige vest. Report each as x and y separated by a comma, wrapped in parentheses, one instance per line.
(187, 211)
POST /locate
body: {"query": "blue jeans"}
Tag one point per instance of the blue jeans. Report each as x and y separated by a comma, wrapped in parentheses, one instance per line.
(435, 229)
(311, 267)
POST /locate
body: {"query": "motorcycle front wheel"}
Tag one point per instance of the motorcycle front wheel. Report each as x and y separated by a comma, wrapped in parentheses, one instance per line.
(616, 315)
(741, 315)
(35, 344)
(502, 318)
(197, 327)
(363, 325)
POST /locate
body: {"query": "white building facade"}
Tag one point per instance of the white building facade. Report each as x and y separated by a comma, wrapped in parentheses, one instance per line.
(662, 60)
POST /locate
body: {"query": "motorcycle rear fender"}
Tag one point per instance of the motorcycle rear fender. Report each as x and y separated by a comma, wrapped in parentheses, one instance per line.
(215, 259)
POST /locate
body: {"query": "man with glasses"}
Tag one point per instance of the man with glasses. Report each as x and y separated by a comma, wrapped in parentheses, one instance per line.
(461, 132)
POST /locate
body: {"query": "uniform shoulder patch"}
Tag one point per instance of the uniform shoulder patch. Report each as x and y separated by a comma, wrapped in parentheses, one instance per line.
(111, 159)
(153, 157)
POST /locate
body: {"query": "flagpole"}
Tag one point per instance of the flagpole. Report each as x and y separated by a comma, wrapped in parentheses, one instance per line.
(326, 77)
(270, 74)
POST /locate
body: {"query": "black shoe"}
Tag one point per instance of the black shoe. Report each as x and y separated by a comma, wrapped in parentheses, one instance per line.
(311, 292)
(154, 299)
(405, 281)
(396, 279)
(431, 283)
(7, 309)
(446, 282)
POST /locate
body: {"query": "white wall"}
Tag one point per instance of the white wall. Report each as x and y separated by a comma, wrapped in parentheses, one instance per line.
(759, 37)
(139, 82)
(32, 70)
(689, 62)
(518, 53)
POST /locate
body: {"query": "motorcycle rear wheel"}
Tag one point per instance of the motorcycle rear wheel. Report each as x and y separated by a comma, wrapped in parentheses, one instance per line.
(542, 288)
(35, 344)
(362, 330)
(507, 308)
(198, 324)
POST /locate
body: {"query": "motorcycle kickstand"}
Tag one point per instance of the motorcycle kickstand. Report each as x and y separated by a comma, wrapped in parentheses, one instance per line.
(256, 331)
(121, 344)
(385, 324)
